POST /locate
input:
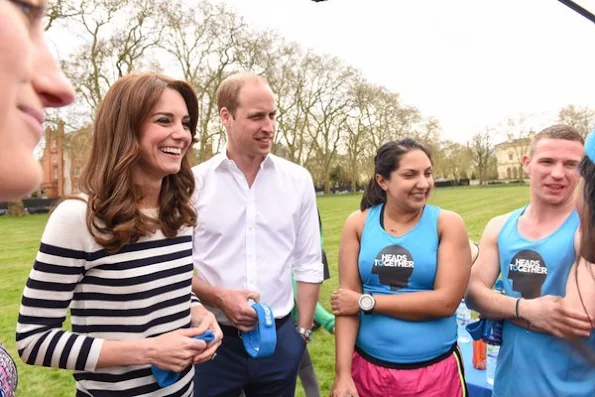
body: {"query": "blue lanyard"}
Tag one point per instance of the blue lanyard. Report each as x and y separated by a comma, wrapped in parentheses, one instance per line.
(166, 378)
(262, 340)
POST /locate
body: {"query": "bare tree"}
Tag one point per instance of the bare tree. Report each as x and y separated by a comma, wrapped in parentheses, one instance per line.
(288, 81)
(109, 53)
(329, 113)
(330, 119)
(452, 159)
(204, 40)
(359, 126)
(426, 130)
(60, 10)
(481, 148)
(392, 119)
(580, 118)
(143, 32)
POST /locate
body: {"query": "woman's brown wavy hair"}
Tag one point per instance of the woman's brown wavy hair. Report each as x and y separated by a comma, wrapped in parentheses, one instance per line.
(113, 216)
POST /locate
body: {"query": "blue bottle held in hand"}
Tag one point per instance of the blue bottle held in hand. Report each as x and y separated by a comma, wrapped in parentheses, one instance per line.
(492, 336)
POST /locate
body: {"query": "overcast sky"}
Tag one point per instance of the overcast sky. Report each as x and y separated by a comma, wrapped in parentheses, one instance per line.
(468, 63)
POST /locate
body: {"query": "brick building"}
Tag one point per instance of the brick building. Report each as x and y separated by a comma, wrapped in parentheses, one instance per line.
(53, 163)
(64, 157)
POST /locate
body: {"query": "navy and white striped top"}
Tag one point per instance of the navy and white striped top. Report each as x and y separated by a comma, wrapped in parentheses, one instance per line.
(143, 291)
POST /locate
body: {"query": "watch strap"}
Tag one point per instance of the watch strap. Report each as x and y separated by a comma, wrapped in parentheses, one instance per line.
(371, 310)
(306, 333)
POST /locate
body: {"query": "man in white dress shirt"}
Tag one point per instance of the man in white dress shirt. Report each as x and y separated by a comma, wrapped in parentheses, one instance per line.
(257, 223)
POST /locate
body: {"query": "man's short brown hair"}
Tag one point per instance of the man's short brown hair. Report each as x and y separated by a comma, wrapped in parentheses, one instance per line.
(229, 90)
(556, 131)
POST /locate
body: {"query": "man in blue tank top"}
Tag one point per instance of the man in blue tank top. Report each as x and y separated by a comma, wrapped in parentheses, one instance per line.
(533, 249)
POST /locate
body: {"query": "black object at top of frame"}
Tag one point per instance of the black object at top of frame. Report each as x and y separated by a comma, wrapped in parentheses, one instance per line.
(579, 9)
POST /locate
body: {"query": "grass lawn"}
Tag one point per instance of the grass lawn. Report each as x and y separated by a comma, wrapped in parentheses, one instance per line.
(20, 240)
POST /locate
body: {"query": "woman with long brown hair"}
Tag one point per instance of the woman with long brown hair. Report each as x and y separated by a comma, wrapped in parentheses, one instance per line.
(120, 256)
(580, 289)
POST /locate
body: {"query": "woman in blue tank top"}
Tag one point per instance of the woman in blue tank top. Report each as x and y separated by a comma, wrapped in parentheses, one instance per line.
(403, 268)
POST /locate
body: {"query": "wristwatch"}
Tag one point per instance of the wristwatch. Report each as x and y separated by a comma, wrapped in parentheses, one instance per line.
(305, 333)
(366, 303)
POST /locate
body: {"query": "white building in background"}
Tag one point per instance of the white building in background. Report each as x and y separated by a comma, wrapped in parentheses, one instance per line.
(509, 157)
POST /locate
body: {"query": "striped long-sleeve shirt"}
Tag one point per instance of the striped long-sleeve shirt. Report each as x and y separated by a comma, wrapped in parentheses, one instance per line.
(142, 291)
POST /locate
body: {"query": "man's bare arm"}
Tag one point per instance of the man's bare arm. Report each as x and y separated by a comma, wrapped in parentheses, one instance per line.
(307, 297)
(480, 296)
(544, 314)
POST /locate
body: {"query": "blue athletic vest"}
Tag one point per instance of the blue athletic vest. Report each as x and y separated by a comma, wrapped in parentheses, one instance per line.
(532, 364)
(400, 265)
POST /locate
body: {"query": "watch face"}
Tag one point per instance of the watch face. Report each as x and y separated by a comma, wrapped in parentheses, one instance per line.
(366, 302)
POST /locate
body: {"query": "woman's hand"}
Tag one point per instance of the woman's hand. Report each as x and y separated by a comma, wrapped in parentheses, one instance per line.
(344, 387)
(345, 302)
(176, 350)
(204, 320)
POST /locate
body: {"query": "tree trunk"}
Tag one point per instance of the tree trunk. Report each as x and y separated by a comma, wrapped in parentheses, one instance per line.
(327, 183)
(16, 208)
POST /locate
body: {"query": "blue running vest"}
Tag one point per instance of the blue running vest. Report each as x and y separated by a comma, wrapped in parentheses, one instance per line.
(400, 265)
(532, 364)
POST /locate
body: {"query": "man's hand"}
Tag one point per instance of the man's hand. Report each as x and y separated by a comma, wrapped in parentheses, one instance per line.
(204, 320)
(551, 314)
(234, 304)
(345, 302)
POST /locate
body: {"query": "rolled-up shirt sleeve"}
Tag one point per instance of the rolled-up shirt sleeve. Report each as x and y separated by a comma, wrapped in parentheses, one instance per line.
(308, 266)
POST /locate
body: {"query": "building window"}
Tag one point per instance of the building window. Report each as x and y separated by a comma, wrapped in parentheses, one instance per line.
(55, 173)
(510, 156)
(508, 173)
(514, 174)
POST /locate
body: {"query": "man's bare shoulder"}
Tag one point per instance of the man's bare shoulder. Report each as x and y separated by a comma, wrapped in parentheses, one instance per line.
(495, 225)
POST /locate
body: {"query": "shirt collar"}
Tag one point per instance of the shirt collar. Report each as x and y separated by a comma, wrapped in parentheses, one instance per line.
(222, 158)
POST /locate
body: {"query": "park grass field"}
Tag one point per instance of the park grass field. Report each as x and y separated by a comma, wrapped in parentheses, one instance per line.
(20, 240)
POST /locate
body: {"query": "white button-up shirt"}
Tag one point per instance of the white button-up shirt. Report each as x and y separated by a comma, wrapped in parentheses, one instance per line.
(252, 237)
